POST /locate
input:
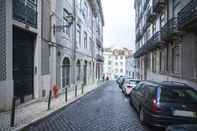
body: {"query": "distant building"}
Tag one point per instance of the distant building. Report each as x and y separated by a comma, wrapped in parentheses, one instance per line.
(116, 61)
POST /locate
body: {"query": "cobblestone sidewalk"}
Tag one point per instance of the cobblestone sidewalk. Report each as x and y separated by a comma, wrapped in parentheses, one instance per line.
(37, 109)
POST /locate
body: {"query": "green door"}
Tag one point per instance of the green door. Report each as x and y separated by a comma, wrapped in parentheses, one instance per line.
(23, 63)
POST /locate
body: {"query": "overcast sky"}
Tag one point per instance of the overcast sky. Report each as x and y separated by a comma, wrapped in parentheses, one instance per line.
(119, 30)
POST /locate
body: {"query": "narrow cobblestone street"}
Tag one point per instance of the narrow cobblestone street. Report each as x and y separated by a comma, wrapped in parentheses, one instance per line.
(104, 109)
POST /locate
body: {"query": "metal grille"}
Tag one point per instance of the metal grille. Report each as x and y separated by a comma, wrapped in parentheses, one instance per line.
(2, 41)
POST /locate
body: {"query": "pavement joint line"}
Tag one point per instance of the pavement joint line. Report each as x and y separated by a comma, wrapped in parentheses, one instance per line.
(50, 113)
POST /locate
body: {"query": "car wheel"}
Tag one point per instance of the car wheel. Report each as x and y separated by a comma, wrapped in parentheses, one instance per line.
(141, 116)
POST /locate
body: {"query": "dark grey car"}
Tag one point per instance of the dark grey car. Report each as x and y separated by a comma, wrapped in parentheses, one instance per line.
(166, 103)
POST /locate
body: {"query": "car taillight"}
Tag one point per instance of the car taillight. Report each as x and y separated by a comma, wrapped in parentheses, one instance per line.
(154, 105)
(129, 86)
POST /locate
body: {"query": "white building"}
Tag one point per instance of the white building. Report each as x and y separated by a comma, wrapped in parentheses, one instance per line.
(115, 62)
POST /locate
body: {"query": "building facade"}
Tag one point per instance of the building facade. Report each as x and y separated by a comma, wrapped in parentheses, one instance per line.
(130, 65)
(116, 61)
(47, 43)
(166, 40)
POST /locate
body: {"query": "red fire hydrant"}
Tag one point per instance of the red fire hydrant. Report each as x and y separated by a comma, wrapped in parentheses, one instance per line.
(55, 91)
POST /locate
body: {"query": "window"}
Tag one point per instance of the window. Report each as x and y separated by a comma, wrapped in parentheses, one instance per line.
(121, 63)
(85, 11)
(116, 70)
(67, 29)
(154, 62)
(162, 20)
(78, 36)
(109, 62)
(184, 95)
(161, 61)
(85, 40)
(116, 63)
(121, 57)
(116, 57)
(121, 70)
(176, 59)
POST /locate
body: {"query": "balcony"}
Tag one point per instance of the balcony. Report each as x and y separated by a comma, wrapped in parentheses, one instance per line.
(155, 42)
(25, 11)
(187, 17)
(158, 5)
(138, 35)
(99, 58)
(169, 31)
(99, 43)
(150, 16)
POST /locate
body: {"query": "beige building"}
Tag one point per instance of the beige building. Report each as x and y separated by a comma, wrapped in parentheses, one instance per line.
(166, 40)
(115, 62)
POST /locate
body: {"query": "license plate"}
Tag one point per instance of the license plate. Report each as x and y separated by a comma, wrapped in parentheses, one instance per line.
(184, 113)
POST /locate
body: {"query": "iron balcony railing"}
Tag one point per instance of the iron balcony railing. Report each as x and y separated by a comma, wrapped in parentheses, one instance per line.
(25, 11)
(153, 43)
(158, 5)
(150, 15)
(99, 58)
(170, 30)
(138, 35)
(187, 17)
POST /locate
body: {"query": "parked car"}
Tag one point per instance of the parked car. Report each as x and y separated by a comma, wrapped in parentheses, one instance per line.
(182, 128)
(165, 103)
(128, 86)
(118, 81)
(121, 81)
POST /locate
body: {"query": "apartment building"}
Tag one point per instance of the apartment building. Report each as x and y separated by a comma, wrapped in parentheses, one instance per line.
(47, 43)
(115, 62)
(166, 40)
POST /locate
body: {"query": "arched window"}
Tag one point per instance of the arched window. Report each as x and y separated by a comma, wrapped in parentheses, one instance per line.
(65, 72)
(78, 70)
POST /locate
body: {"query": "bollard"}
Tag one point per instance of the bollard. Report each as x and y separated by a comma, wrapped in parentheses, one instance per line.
(13, 112)
(75, 91)
(82, 90)
(49, 100)
(66, 94)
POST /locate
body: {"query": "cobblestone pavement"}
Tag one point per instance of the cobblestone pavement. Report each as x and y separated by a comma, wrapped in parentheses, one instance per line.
(105, 109)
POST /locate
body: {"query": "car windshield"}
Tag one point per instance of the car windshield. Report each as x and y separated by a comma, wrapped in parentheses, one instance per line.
(178, 95)
(130, 82)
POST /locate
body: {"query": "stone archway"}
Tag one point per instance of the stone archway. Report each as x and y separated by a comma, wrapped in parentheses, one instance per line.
(65, 72)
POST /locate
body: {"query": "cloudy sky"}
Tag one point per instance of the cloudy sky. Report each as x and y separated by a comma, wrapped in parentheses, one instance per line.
(119, 30)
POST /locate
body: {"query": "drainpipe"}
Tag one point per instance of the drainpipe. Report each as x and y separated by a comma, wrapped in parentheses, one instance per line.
(52, 46)
(75, 42)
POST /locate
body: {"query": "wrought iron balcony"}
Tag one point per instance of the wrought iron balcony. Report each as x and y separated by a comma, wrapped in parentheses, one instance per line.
(99, 43)
(158, 5)
(150, 16)
(99, 58)
(25, 11)
(155, 42)
(138, 35)
(187, 17)
(169, 31)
